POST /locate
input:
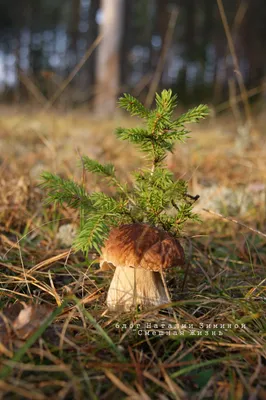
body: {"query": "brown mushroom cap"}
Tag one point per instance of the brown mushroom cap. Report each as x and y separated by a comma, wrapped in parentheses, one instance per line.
(141, 246)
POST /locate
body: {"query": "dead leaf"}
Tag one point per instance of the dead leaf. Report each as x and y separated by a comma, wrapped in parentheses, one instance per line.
(19, 321)
(30, 319)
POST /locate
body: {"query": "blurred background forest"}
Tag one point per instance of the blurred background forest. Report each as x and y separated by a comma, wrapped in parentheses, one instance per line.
(41, 42)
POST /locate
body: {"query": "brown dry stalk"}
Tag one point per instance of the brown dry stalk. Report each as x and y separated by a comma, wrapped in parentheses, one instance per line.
(250, 93)
(234, 345)
(73, 73)
(235, 221)
(21, 392)
(239, 77)
(32, 88)
(66, 82)
(120, 385)
(50, 261)
(159, 70)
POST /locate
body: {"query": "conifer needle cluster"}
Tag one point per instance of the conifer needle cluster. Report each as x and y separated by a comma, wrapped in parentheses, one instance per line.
(155, 197)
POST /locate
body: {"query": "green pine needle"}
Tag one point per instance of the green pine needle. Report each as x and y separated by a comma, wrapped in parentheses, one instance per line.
(92, 234)
(94, 166)
(193, 115)
(133, 106)
(153, 195)
(64, 191)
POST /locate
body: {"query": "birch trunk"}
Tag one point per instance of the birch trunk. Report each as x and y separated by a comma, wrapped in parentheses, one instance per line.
(107, 67)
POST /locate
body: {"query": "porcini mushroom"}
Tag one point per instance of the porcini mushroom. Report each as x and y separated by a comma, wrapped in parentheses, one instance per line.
(139, 253)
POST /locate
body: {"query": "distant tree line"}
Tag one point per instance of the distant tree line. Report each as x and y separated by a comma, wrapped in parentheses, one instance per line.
(41, 41)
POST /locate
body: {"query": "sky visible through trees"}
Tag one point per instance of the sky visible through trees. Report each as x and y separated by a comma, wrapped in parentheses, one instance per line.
(43, 40)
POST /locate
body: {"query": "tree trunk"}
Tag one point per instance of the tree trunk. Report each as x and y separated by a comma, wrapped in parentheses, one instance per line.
(126, 42)
(74, 29)
(108, 68)
(92, 34)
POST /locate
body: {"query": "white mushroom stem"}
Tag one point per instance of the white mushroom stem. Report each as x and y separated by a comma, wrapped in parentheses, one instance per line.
(131, 287)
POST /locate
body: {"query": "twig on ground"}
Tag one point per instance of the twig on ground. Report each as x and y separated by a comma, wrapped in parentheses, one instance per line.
(235, 221)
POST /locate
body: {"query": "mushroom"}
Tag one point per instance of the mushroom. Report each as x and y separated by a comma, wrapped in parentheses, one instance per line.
(139, 253)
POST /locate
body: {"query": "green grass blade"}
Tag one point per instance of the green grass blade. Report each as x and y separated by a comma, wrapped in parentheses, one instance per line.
(7, 369)
(100, 330)
(190, 368)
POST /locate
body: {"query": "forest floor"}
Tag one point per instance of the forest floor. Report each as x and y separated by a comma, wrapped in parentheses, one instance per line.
(65, 344)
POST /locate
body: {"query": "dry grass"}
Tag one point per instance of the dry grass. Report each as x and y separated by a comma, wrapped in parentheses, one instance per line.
(82, 351)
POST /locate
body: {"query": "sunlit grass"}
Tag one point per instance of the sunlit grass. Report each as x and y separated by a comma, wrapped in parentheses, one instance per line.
(84, 351)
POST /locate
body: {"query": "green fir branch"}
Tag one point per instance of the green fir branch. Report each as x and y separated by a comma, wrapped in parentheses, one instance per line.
(153, 196)
(193, 115)
(104, 203)
(133, 135)
(90, 165)
(133, 106)
(92, 233)
(166, 102)
(66, 191)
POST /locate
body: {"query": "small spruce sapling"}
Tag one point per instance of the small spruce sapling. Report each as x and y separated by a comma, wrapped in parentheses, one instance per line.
(154, 191)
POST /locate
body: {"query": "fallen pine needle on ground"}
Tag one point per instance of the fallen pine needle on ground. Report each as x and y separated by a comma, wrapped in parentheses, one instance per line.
(58, 340)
